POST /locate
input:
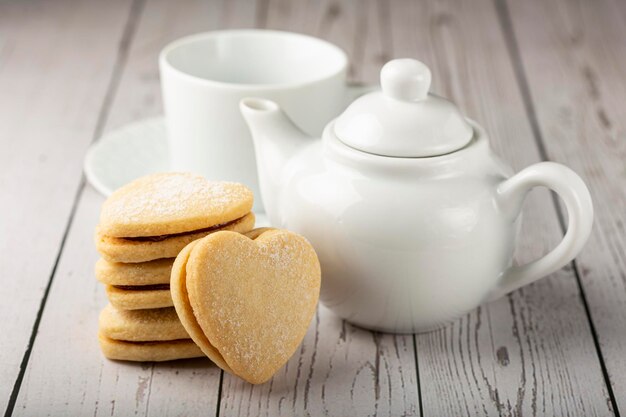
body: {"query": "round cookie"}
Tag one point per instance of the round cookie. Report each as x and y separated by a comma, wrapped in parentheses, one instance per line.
(170, 203)
(115, 249)
(141, 325)
(143, 273)
(250, 300)
(138, 298)
(149, 351)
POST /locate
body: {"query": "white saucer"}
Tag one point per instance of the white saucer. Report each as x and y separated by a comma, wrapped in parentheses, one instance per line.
(127, 153)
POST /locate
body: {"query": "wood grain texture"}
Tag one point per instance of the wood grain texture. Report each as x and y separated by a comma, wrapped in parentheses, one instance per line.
(531, 353)
(339, 370)
(67, 374)
(52, 86)
(578, 49)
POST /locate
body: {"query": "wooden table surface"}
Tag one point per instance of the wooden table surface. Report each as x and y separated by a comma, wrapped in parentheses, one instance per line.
(547, 79)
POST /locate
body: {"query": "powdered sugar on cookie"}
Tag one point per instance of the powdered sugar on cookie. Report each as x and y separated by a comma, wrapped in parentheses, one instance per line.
(169, 203)
(254, 299)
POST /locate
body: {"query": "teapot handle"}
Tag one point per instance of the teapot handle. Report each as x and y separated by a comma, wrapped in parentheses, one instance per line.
(574, 193)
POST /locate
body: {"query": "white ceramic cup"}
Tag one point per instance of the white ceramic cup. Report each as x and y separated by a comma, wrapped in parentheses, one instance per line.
(204, 77)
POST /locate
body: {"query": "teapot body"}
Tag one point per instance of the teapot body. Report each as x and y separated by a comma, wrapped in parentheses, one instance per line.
(405, 244)
(413, 217)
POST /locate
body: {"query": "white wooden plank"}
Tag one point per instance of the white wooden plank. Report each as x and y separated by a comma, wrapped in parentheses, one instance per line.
(67, 374)
(533, 352)
(466, 367)
(578, 50)
(52, 86)
(339, 370)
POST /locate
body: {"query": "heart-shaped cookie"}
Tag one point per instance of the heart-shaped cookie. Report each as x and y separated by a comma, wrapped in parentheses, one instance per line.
(155, 216)
(172, 203)
(247, 302)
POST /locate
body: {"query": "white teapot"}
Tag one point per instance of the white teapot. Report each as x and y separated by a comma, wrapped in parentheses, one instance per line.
(413, 217)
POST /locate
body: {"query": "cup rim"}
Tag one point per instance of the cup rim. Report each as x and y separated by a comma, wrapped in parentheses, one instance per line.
(164, 62)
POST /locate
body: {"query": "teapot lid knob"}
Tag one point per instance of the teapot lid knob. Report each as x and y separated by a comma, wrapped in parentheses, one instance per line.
(405, 79)
(405, 120)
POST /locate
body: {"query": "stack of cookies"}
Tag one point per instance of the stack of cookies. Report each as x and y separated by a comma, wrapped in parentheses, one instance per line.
(143, 227)
(187, 276)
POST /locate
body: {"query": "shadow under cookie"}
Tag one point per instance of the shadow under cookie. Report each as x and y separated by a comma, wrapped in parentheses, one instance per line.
(148, 248)
(139, 297)
(149, 351)
(153, 272)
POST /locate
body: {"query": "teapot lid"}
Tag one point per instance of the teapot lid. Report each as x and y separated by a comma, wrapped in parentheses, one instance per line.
(404, 120)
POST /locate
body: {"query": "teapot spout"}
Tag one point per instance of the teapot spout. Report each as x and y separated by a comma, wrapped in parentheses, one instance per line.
(276, 140)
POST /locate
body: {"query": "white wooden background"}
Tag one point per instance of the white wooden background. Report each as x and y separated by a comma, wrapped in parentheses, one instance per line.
(547, 78)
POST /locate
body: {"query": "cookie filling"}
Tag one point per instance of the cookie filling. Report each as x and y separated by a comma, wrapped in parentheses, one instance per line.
(153, 287)
(191, 232)
(150, 342)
